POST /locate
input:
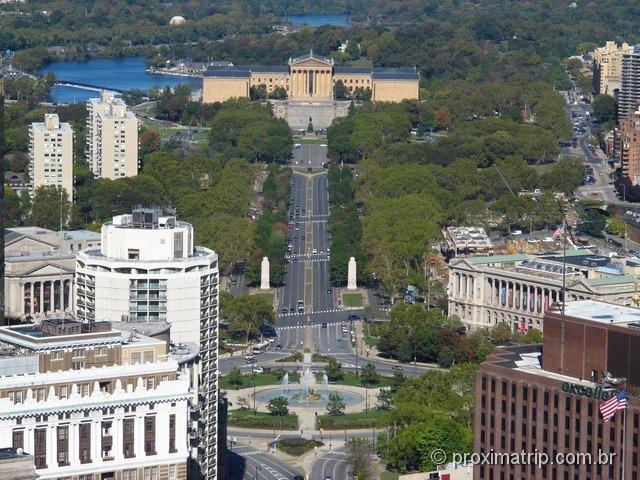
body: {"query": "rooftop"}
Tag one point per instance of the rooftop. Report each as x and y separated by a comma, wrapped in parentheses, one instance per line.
(602, 312)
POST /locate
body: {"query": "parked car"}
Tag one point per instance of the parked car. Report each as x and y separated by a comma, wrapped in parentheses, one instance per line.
(258, 370)
(250, 357)
(397, 368)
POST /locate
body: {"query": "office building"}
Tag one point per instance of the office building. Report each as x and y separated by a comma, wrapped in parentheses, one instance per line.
(112, 137)
(309, 78)
(51, 154)
(90, 402)
(627, 137)
(546, 398)
(629, 94)
(37, 262)
(607, 68)
(518, 289)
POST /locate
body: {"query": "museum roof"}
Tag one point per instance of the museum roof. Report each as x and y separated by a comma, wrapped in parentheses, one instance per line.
(228, 72)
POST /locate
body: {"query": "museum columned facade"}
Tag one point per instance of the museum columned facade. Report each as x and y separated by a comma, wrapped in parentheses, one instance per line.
(309, 78)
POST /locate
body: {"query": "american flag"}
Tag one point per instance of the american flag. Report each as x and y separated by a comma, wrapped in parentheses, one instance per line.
(559, 231)
(609, 408)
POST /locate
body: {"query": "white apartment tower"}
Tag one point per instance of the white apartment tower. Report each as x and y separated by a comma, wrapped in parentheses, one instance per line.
(148, 270)
(112, 137)
(51, 154)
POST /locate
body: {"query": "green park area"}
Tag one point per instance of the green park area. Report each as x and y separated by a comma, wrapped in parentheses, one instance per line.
(372, 419)
(297, 446)
(234, 380)
(352, 300)
(251, 419)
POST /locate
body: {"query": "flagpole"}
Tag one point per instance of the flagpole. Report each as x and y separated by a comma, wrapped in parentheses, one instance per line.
(624, 428)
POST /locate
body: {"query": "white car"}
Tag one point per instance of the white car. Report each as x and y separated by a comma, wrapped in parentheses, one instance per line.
(258, 370)
(323, 144)
(314, 251)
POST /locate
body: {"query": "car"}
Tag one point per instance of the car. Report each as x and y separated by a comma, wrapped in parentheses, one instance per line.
(258, 370)
(397, 368)
(293, 310)
(279, 347)
(302, 237)
(314, 251)
(300, 309)
(250, 357)
(328, 291)
(285, 309)
(323, 325)
(271, 340)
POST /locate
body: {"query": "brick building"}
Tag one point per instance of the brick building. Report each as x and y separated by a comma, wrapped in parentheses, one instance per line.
(545, 398)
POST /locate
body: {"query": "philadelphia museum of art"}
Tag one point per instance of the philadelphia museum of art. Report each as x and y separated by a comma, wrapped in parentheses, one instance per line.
(309, 78)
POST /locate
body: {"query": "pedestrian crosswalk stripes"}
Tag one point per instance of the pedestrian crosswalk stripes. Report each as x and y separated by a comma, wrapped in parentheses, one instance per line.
(294, 314)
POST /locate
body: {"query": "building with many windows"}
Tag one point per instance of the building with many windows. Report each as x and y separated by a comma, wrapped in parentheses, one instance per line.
(38, 261)
(310, 78)
(112, 137)
(629, 94)
(92, 403)
(518, 289)
(546, 398)
(627, 139)
(148, 270)
(607, 68)
(51, 154)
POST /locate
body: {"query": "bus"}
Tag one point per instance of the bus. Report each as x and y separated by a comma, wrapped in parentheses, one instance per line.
(260, 347)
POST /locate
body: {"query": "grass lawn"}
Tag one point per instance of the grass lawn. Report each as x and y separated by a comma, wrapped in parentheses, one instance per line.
(267, 296)
(372, 419)
(387, 475)
(371, 334)
(353, 300)
(297, 446)
(260, 380)
(251, 419)
(318, 357)
(164, 131)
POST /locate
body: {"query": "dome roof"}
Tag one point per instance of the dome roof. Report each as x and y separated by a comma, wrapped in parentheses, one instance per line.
(177, 20)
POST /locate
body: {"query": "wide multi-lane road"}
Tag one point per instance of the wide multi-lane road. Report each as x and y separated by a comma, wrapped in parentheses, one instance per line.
(332, 465)
(308, 299)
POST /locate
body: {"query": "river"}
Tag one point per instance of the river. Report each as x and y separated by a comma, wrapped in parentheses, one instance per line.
(338, 20)
(126, 73)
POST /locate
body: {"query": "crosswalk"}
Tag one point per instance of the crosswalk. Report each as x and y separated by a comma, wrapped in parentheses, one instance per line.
(312, 255)
(311, 260)
(294, 327)
(303, 315)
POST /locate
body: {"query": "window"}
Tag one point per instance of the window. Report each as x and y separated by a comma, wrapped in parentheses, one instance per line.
(150, 473)
(78, 352)
(130, 474)
(150, 382)
(63, 392)
(78, 365)
(18, 439)
(148, 356)
(136, 357)
(84, 389)
(173, 472)
(133, 254)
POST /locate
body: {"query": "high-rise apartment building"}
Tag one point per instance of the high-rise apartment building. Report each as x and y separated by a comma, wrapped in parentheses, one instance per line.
(112, 137)
(607, 68)
(89, 402)
(627, 139)
(629, 94)
(545, 399)
(148, 270)
(51, 154)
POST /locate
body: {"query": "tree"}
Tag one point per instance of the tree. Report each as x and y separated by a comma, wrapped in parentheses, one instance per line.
(333, 370)
(50, 204)
(247, 313)
(12, 208)
(243, 403)
(368, 375)
(150, 141)
(258, 92)
(278, 406)
(604, 108)
(501, 333)
(278, 93)
(592, 222)
(335, 404)
(234, 377)
(445, 357)
(385, 399)
(340, 92)
(359, 454)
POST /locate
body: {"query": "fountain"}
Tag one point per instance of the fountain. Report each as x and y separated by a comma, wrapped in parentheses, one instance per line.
(325, 386)
(285, 384)
(304, 381)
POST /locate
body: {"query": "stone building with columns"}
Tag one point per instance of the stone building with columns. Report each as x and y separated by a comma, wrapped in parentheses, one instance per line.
(37, 262)
(309, 78)
(91, 403)
(518, 289)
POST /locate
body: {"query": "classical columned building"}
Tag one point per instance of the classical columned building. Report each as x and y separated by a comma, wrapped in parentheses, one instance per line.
(519, 289)
(309, 78)
(39, 269)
